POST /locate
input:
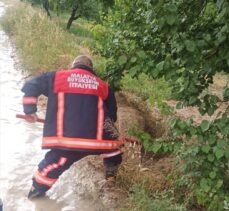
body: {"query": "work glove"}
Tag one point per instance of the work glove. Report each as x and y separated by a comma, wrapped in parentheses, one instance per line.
(31, 117)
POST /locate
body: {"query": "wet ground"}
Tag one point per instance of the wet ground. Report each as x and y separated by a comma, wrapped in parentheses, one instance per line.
(19, 141)
(81, 188)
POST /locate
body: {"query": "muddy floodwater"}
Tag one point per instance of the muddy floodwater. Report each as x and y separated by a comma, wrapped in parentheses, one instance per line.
(20, 152)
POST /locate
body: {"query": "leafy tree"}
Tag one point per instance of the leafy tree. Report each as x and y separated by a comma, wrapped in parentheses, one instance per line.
(187, 43)
(88, 9)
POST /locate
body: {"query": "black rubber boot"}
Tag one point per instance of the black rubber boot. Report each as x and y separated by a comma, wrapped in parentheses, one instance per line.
(34, 193)
(110, 175)
(111, 172)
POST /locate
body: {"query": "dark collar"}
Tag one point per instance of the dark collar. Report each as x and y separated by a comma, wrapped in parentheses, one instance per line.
(81, 66)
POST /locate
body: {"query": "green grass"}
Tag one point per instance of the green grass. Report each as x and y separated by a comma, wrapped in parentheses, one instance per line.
(154, 92)
(145, 87)
(140, 200)
(45, 44)
(42, 44)
(81, 28)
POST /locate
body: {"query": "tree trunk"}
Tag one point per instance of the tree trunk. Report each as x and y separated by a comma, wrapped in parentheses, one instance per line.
(73, 17)
(46, 7)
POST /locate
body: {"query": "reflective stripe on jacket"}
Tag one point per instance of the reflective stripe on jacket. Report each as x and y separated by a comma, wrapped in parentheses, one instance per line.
(79, 103)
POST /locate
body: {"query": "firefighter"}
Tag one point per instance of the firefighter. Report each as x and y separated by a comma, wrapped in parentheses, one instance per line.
(80, 109)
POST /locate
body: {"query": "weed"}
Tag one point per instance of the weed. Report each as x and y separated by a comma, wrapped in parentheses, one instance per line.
(155, 92)
(140, 200)
(42, 44)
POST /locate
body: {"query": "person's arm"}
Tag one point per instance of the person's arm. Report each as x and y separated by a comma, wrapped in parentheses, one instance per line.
(32, 90)
(111, 104)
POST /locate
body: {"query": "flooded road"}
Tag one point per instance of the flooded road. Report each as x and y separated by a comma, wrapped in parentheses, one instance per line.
(78, 189)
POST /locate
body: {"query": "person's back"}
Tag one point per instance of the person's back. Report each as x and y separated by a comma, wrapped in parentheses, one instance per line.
(77, 106)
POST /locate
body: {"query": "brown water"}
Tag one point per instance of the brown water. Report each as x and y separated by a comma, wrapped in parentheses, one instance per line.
(80, 188)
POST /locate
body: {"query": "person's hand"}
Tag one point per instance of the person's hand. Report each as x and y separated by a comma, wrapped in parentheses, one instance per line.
(31, 118)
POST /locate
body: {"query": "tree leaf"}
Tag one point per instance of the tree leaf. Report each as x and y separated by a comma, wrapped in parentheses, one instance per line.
(221, 143)
(172, 8)
(190, 45)
(210, 111)
(204, 185)
(160, 66)
(211, 140)
(122, 60)
(141, 54)
(205, 148)
(134, 70)
(192, 100)
(155, 72)
(212, 174)
(226, 153)
(133, 59)
(170, 19)
(219, 153)
(179, 105)
(173, 122)
(205, 125)
(219, 183)
(225, 130)
(211, 157)
(156, 147)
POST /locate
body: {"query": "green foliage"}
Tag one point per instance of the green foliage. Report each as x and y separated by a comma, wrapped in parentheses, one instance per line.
(206, 160)
(186, 43)
(81, 29)
(140, 200)
(88, 9)
(160, 145)
(186, 48)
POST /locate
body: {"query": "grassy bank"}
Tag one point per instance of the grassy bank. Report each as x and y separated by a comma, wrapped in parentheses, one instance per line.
(141, 200)
(41, 43)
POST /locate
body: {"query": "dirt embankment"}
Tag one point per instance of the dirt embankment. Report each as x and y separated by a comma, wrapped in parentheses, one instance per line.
(132, 112)
(87, 175)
